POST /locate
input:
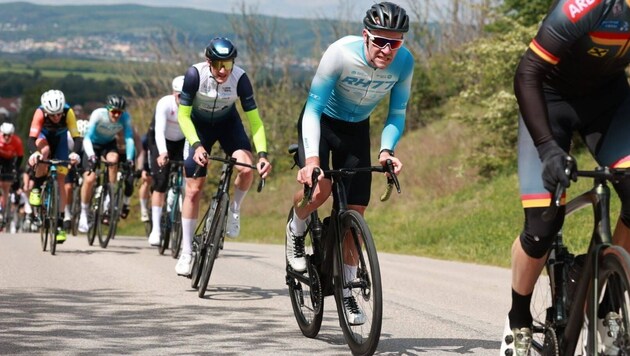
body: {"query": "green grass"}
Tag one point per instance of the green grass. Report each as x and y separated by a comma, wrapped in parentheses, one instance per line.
(445, 211)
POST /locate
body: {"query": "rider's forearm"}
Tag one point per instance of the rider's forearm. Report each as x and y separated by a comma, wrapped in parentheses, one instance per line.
(258, 130)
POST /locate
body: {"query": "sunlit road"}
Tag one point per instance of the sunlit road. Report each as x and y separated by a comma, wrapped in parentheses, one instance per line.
(127, 299)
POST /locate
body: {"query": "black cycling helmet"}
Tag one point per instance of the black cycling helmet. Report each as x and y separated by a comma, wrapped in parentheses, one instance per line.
(386, 16)
(116, 102)
(220, 48)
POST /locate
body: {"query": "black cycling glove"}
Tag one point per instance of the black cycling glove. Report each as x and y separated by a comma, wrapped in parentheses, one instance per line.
(554, 165)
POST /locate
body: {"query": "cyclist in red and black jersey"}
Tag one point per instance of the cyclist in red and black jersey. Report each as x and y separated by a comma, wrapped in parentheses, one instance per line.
(11, 155)
(570, 79)
(48, 139)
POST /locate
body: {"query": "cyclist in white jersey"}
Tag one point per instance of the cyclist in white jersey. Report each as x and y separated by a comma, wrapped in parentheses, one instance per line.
(166, 141)
(354, 75)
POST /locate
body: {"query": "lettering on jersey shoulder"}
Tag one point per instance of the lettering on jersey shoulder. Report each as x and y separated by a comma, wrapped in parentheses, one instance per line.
(598, 52)
(576, 9)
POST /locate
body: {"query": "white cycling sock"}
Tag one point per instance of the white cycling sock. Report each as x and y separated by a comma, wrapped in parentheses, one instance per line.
(188, 229)
(298, 226)
(84, 208)
(156, 214)
(66, 212)
(143, 204)
(126, 200)
(349, 273)
(239, 195)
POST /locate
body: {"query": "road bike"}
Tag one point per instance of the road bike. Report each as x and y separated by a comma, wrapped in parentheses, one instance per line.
(171, 219)
(210, 233)
(49, 210)
(578, 291)
(107, 200)
(330, 243)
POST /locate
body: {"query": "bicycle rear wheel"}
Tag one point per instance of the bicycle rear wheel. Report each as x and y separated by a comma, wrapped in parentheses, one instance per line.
(613, 297)
(216, 230)
(307, 299)
(165, 229)
(75, 209)
(357, 248)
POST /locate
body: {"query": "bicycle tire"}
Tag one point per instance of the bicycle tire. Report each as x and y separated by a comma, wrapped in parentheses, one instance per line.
(95, 207)
(362, 339)
(307, 299)
(199, 251)
(176, 227)
(43, 229)
(614, 295)
(217, 227)
(148, 226)
(109, 229)
(53, 215)
(165, 229)
(75, 209)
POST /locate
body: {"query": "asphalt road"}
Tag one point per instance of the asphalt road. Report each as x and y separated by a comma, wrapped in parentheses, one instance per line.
(127, 299)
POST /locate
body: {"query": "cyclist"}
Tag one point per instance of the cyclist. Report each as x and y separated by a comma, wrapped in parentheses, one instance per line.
(207, 113)
(570, 79)
(11, 155)
(129, 178)
(48, 139)
(354, 75)
(166, 140)
(100, 142)
(144, 174)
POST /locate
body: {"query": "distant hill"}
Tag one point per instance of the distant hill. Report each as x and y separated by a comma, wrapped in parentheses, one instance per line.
(21, 21)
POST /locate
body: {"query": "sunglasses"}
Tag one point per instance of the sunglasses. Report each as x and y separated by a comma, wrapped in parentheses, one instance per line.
(116, 112)
(228, 65)
(381, 42)
(56, 115)
(7, 136)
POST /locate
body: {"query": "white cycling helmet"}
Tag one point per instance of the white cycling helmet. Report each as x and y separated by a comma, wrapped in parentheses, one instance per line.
(178, 83)
(53, 101)
(7, 128)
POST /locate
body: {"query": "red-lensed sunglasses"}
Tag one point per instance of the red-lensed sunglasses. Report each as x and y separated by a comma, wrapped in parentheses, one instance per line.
(381, 42)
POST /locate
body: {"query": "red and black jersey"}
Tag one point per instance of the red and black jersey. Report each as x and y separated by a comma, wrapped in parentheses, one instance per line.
(581, 47)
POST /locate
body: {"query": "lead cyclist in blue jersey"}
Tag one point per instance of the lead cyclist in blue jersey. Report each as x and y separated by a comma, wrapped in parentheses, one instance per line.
(354, 75)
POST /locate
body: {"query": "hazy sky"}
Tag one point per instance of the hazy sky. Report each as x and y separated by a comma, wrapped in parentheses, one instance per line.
(281, 8)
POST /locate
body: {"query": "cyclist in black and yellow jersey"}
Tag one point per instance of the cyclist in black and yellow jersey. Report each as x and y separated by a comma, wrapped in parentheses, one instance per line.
(570, 79)
(207, 114)
(48, 139)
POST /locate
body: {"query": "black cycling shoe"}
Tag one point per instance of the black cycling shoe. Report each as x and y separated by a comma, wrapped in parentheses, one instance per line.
(125, 211)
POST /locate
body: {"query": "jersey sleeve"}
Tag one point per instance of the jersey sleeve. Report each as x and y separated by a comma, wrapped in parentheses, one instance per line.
(161, 110)
(399, 97)
(71, 122)
(566, 23)
(130, 143)
(90, 133)
(323, 83)
(37, 123)
(184, 112)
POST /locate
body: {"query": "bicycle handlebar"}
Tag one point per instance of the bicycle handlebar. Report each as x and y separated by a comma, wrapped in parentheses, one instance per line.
(601, 174)
(233, 162)
(392, 180)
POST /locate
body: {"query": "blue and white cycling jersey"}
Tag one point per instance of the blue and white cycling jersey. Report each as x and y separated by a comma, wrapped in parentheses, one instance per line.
(101, 131)
(347, 88)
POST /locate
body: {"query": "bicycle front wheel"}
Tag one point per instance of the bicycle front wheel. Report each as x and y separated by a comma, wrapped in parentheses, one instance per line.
(96, 214)
(52, 215)
(176, 228)
(307, 299)
(165, 229)
(44, 229)
(610, 327)
(217, 225)
(75, 209)
(111, 214)
(357, 285)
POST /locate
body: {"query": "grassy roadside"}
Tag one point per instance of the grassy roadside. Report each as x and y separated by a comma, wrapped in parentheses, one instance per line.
(444, 211)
